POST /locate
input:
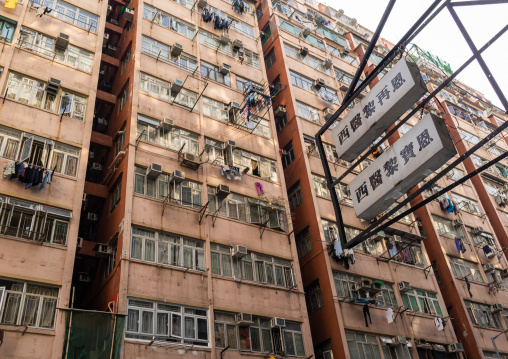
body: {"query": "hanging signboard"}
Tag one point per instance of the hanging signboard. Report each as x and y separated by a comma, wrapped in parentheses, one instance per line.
(421, 151)
(397, 91)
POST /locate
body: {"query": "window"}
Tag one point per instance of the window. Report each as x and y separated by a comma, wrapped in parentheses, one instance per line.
(480, 239)
(307, 84)
(162, 90)
(213, 41)
(111, 261)
(421, 301)
(116, 195)
(254, 164)
(492, 188)
(244, 85)
(215, 109)
(303, 243)
(150, 131)
(493, 355)
(70, 14)
(280, 123)
(7, 27)
(343, 193)
(212, 72)
(28, 304)
(270, 60)
(445, 227)
(313, 297)
(45, 46)
(29, 91)
(309, 60)
(247, 209)
(344, 287)
(369, 246)
(126, 59)
(166, 322)
(401, 210)
(119, 142)
(186, 193)
(481, 314)
(456, 174)
(22, 146)
(168, 249)
(159, 17)
(308, 112)
(469, 137)
(73, 105)
(256, 337)
(267, 32)
(332, 35)
(330, 230)
(295, 196)
(462, 269)
(467, 204)
(215, 151)
(363, 345)
(221, 260)
(298, 32)
(320, 186)
(33, 221)
(288, 155)
(406, 252)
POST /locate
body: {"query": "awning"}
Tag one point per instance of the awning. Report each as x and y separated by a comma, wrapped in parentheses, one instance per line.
(405, 235)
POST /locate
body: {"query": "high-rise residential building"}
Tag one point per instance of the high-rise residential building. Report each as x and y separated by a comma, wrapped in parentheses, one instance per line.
(148, 210)
(167, 206)
(414, 268)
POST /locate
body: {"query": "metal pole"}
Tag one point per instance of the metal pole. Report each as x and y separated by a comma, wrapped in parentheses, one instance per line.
(70, 323)
(494, 343)
(113, 337)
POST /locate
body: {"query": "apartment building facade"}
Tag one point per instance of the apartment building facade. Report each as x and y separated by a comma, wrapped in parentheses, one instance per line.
(49, 70)
(416, 263)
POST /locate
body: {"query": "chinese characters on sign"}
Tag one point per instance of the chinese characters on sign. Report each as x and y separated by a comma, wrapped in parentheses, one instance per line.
(402, 166)
(397, 91)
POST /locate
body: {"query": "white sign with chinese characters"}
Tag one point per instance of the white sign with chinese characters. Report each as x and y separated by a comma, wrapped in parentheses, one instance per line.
(421, 151)
(397, 91)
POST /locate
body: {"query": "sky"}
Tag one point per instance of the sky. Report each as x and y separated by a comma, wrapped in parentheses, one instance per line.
(442, 36)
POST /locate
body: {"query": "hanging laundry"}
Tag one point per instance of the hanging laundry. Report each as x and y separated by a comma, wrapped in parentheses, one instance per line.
(46, 180)
(225, 171)
(9, 169)
(366, 313)
(11, 4)
(43, 10)
(439, 324)
(237, 174)
(450, 206)
(487, 250)
(206, 15)
(259, 188)
(389, 315)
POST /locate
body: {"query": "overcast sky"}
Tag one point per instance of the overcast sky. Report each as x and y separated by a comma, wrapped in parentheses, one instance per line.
(442, 37)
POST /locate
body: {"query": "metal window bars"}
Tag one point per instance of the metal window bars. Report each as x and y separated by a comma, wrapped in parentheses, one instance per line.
(354, 91)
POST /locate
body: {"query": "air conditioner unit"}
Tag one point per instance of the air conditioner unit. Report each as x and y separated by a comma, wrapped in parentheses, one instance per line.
(488, 267)
(110, 8)
(364, 284)
(498, 281)
(496, 308)
(102, 250)
(84, 277)
(177, 49)
(91, 155)
(128, 14)
(153, 171)
(96, 166)
(190, 160)
(233, 107)
(53, 86)
(375, 288)
(114, 22)
(238, 251)
(478, 231)
(346, 52)
(79, 242)
(327, 63)
(328, 354)
(92, 217)
(280, 111)
(404, 287)
(455, 347)
(202, 3)
(328, 112)
(244, 319)
(304, 51)
(62, 41)
(504, 273)
(106, 36)
(176, 86)
(399, 340)
(177, 176)
(225, 69)
(318, 84)
(396, 238)
(224, 39)
(306, 32)
(237, 45)
(229, 144)
(166, 123)
(353, 22)
(222, 191)
(277, 323)
(490, 144)
(457, 222)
